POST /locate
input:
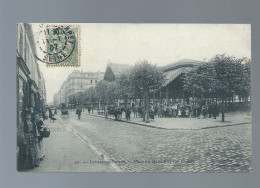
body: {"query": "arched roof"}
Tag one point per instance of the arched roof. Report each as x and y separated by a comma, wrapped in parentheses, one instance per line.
(180, 64)
(173, 70)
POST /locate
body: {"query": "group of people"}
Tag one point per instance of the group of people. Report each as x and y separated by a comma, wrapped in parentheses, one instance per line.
(31, 146)
(164, 110)
(186, 110)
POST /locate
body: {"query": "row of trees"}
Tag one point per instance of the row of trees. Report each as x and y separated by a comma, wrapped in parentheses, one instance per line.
(136, 83)
(221, 78)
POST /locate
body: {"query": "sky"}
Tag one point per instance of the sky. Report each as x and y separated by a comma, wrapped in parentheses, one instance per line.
(160, 44)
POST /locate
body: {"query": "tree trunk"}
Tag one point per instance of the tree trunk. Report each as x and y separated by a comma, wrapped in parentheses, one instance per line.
(161, 97)
(147, 106)
(125, 104)
(223, 110)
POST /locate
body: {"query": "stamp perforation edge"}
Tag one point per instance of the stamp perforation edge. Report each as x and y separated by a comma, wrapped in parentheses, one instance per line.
(79, 50)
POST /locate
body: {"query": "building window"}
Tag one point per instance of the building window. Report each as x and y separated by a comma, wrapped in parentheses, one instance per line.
(91, 81)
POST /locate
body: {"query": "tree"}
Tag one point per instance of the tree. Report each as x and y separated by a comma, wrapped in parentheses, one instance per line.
(223, 77)
(144, 77)
(90, 95)
(228, 75)
(201, 82)
(124, 87)
(101, 91)
(112, 92)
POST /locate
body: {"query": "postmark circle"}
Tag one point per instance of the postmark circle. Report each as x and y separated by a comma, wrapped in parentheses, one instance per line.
(56, 43)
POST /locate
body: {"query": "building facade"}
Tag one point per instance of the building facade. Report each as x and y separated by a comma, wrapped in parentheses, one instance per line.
(77, 81)
(31, 92)
(30, 83)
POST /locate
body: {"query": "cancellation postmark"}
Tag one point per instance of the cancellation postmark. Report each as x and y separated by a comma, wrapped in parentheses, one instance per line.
(59, 45)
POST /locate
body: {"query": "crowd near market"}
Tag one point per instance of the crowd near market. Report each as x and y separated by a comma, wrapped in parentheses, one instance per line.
(212, 88)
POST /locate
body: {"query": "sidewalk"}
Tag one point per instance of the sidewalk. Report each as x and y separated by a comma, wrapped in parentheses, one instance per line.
(65, 151)
(234, 118)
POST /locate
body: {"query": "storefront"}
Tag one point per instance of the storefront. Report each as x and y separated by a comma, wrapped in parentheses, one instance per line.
(23, 87)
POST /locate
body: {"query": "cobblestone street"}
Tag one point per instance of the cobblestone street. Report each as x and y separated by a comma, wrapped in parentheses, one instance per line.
(117, 146)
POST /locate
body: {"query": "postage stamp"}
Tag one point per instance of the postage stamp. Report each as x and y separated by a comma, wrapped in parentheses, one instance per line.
(59, 45)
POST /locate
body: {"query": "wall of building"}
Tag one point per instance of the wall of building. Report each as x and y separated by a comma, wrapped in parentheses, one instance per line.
(77, 81)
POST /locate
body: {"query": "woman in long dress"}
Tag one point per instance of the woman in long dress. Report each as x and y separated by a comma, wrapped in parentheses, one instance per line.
(31, 155)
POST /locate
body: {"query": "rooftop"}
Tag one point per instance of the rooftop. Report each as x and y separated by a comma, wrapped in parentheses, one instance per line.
(119, 68)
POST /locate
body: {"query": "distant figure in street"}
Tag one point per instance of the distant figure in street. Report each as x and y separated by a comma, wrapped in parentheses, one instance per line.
(198, 111)
(179, 111)
(89, 109)
(106, 112)
(128, 113)
(55, 111)
(50, 113)
(140, 112)
(78, 112)
(135, 111)
(204, 111)
(215, 111)
(51, 116)
(159, 111)
(117, 113)
(152, 113)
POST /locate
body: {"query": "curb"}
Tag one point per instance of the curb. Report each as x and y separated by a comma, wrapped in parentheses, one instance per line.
(130, 122)
(151, 126)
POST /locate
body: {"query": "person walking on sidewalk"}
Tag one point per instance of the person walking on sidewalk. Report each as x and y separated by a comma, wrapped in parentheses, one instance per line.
(78, 111)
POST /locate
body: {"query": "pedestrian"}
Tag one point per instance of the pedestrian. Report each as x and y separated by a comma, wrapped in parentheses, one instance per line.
(164, 110)
(30, 138)
(204, 111)
(174, 112)
(39, 142)
(140, 113)
(198, 111)
(50, 114)
(152, 113)
(215, 111)
(171, 110)
(179, 111)
(89, 109)
(78, 112)
(159, 111)
(135, 111)
(117, 113)
(128, 113)
(194, 111)
(187, 111)
(106, 112)
(210, 109)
